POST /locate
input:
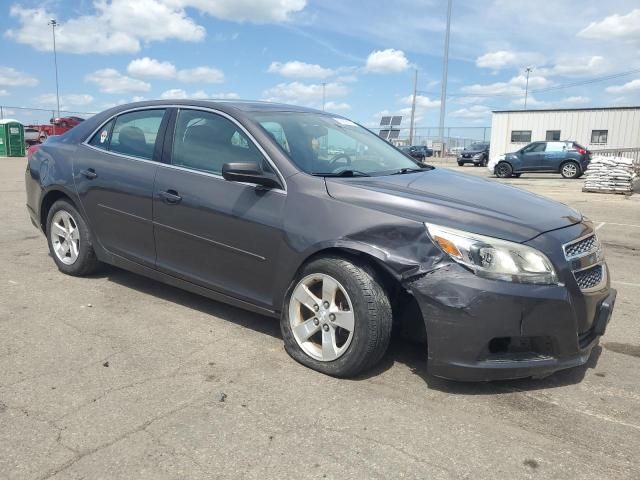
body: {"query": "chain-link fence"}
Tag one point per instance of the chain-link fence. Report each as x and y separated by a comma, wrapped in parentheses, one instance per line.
(38, 116)
(454, 138)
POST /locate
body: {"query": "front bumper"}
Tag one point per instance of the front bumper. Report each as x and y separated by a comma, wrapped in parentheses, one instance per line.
(480, 329)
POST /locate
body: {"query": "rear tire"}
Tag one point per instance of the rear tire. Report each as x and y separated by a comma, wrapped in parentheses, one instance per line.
(503, 170)
(314, 339)
(70, 241)
(570, 170)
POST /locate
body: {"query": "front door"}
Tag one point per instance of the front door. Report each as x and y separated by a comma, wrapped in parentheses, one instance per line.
(114, 176)
(219, 234)
(532, 157)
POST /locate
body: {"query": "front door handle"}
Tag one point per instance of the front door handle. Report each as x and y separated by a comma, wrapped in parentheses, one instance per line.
(90, 173)
(170, 196)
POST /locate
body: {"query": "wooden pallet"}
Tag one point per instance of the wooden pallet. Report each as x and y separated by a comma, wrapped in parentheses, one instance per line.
(615, 192)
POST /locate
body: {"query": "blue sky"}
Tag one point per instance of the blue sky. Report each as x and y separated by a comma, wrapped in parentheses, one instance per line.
(583, 53)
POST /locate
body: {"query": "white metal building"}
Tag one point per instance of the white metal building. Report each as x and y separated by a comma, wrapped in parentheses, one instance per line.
(594, 128)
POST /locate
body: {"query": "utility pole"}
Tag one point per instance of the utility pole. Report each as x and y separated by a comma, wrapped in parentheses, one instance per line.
(413, 107)
(54, 24)
(526, 88)
(445, 68)
(324, 88)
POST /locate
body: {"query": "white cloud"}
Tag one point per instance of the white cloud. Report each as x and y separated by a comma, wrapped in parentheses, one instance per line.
(201, 75)
(256, 11)
(475, 112)
(10, 77)
(422, 102)
(151, 68)
(631, 86)
(387, 61)
(110, 80)
(225, 96)
(138, 98)
(515, 86)
(118, 26)
(3, 92)
(296, 69)
(508, 59)
(577, 67)
(66, 101)
(336, 106)
(173, 94)
(179, 93)
(303, 93)
(531, 102)
(626, 27)
(576, 100)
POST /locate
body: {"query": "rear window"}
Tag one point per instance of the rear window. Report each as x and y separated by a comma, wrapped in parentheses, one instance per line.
(101, 138)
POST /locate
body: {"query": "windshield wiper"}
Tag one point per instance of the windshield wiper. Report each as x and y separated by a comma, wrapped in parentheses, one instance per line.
(410, 170)
(343, 173)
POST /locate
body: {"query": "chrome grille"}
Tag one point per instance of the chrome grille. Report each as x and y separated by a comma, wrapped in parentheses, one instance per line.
(581, 247)
(589, 278)
(586, 261)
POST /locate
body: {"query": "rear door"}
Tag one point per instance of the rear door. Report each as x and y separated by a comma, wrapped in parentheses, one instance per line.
(114, 174)
(218, 234)
(554, 155)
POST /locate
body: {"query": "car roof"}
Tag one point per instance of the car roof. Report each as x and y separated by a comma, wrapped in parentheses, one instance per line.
(224, 105)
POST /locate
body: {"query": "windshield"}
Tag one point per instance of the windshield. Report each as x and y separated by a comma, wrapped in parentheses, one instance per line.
(324, 145)
(477, 146)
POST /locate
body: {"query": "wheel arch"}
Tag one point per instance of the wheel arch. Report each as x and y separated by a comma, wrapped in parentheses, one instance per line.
(404, 305)
(569, 160)
(47, 202)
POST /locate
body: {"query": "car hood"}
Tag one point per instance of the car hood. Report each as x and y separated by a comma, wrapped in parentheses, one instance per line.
(459, 201)
(472, 151)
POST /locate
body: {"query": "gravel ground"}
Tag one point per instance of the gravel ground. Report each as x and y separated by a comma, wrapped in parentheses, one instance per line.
(119, 377)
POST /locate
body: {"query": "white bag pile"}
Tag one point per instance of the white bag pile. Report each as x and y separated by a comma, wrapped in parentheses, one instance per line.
(610, 174)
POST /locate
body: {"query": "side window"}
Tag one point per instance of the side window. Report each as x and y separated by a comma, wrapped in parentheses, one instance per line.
(520, 136)
(101, 138)
(599, 136)
(556, 147)
(534, 148)
(553, 135)
(135, 133)
(206, 141)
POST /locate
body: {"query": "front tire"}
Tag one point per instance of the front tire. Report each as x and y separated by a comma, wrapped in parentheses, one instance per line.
(503, 170)
(70, 241)
(336, 318)
(460, 164)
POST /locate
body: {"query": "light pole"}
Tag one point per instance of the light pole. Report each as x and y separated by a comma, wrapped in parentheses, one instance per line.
(526, 88)
(445, 68)
(413, 107)
(54, 24)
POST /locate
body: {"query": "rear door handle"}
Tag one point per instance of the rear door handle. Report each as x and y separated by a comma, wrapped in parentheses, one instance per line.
(90, 173)
(170, 196)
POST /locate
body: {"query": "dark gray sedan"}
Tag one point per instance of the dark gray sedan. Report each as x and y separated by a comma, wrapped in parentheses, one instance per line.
(312, 219)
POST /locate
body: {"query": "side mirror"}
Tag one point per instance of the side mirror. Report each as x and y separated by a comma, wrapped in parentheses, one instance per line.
(248, 172)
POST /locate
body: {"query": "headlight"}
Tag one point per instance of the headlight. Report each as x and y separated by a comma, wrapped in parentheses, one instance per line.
(477, 155)
(494, 258)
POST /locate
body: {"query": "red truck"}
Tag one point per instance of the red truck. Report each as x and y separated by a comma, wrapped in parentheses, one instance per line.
(34, 134)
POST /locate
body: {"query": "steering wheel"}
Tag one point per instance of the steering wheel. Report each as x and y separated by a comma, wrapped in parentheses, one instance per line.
(338, 157)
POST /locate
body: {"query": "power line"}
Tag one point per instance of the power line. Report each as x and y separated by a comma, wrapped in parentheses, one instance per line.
(541, 90)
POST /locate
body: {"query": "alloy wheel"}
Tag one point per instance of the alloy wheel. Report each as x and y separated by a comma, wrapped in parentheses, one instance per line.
(321, 317)
(64, 236)
(569, 170)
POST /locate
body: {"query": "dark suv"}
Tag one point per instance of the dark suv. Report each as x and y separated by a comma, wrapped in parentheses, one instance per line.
(568, 158)
(312, 219)
(476, 153)
(419, 152)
